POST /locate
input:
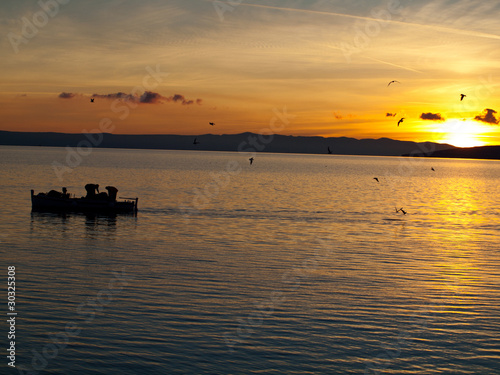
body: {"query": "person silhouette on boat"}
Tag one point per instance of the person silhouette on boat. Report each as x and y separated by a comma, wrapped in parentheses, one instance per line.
(91, 190)
(58, 194)
(54, 194)
(112, 192)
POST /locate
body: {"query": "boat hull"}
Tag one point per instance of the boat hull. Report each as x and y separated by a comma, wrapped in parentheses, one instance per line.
(42, 202)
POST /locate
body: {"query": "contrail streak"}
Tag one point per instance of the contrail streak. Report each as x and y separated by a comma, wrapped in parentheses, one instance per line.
(392, 64)
(312, 11)
(381, 61)
(430, 27)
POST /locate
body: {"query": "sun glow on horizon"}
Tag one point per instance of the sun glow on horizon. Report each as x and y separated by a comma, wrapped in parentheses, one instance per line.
(465, 133)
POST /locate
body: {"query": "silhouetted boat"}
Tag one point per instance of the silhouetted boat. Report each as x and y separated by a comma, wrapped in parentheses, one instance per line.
(56, 201)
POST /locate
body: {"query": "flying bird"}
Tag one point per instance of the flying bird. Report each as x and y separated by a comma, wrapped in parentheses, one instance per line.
(375, 178)
(393, 81)
(329, 151)
(401, 120)
(92, 100)
(251, 161)
(195, 142)
(401, 209)
(432, 169)
(462, 96)
(212, 123)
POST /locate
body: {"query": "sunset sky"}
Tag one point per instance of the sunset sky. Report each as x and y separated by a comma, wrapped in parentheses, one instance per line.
(171, 67)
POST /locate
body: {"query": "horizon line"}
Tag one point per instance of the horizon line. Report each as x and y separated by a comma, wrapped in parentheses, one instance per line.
(230, 134)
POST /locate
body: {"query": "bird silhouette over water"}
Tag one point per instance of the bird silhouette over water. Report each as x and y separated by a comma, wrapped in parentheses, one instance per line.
(462, 96)
(401, 120)
(251, 161)
(393, 81)
(376, 179)
(92, 100)
(212, 123)
(432, 169)
(329, 151)
(195, 142)
(401, 209)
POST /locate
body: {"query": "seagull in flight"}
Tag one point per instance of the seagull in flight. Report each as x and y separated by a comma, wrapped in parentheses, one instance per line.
(432, 169)
(195, 142)
(212, 123)
(393, 81)
(462, 96)
(329, 151)
(401, 209)
(251, 161)
(92, 100)
(376, 179)
(401, 120)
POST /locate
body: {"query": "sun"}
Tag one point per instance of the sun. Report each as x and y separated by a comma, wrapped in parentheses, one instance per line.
(464, 133)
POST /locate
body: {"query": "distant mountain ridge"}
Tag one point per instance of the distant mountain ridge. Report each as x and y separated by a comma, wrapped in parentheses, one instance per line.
(245, 142)
(482, 152)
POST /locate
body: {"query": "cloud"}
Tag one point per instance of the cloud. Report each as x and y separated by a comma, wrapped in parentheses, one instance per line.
(67, 95)
(432, 116)
(117, 95)
(489, 117)
(178, 98)
(149, 97)
(340, 116)
(437, 28)
(388, 114)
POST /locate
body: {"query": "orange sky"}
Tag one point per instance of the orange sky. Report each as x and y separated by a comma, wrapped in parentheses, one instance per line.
(327, 63)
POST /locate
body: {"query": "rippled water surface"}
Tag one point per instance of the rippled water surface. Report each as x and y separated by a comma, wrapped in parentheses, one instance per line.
(297, 264)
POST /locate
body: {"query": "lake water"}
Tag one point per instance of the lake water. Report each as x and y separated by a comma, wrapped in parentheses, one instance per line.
(297, 264)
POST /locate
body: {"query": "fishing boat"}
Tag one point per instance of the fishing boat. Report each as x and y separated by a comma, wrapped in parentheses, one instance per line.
(98, 203)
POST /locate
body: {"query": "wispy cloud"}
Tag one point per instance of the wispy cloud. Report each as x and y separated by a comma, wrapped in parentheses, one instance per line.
(392, 21)
(340, 116)
(66, 95)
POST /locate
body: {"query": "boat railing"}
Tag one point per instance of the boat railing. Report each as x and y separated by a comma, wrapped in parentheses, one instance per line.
(132, 199)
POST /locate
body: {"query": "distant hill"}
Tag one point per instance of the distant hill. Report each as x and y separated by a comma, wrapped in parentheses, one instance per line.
(482, 152)
(246, 142)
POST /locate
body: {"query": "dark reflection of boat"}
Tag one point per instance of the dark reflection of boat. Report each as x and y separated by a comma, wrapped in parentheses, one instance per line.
(63, 217)
(54, 201)
(72, 222)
